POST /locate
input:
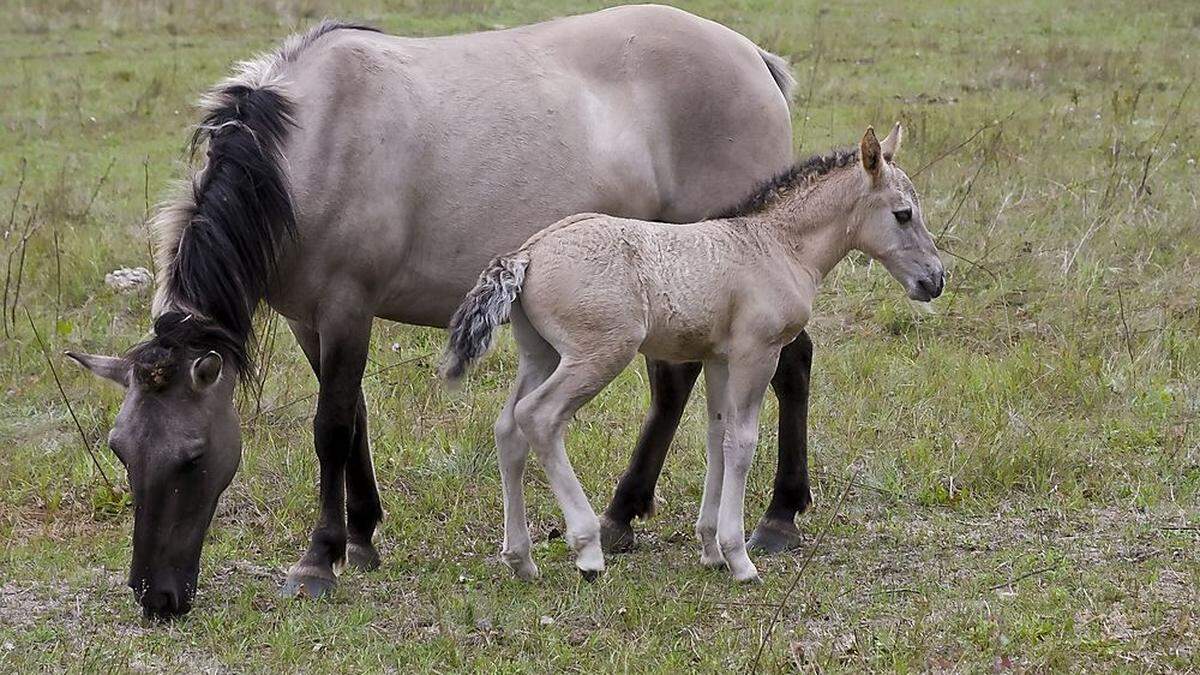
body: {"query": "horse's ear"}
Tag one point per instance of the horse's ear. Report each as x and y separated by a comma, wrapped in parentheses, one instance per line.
(206, 370)
(112, 368)
(891, 144)
(871, 155)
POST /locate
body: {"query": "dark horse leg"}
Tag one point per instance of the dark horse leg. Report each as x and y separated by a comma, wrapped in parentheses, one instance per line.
(340, 435)
(792, 494)
(364, 509)
(670, 386)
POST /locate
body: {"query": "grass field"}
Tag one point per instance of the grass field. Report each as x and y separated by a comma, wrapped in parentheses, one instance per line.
(1018, 470)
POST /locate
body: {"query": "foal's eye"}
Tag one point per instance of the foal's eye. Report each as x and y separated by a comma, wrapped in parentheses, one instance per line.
(903, 215)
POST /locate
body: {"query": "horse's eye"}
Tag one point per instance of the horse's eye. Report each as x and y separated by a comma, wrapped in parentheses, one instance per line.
(191, 459)
(903, 215)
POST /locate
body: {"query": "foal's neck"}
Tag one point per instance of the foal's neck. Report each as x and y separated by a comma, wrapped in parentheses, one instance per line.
(813, 223)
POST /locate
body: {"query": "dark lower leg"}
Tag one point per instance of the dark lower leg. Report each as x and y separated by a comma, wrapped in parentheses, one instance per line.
(670, 386)
(363, 508)
(339, 403)
(791, 492)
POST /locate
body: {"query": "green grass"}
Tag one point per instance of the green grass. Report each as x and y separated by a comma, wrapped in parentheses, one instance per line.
(1025, 459)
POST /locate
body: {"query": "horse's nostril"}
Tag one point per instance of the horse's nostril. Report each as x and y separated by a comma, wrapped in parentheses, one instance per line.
(161, 605)
(932, 285)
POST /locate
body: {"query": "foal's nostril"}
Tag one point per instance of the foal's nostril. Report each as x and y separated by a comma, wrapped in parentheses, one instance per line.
(932, 285)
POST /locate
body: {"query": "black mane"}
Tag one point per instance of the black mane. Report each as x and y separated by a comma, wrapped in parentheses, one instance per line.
(243, 211)
(239, 216)
(801, 173)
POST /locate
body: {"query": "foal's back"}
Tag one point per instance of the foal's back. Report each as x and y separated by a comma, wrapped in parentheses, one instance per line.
(673, 292)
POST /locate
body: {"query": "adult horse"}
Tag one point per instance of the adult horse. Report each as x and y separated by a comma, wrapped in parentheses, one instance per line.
(353, 175)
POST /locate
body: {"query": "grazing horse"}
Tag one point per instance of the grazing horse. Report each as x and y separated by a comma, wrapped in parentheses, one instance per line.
(352, 175)
(588, 293)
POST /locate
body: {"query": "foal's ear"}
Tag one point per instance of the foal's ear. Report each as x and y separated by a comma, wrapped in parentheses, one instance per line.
(206, 370)
(111, 368)
(871, 155)
(891, 144)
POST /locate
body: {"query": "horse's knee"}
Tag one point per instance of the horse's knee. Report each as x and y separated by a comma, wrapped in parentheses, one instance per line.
(334, 427)
(505, 430)
(739, 453)
(536, 423)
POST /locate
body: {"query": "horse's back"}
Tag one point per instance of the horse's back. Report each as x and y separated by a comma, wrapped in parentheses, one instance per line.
(415, 160)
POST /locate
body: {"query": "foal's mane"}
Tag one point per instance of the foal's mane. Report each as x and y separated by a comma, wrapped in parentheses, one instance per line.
(802, 173)
(219, 237)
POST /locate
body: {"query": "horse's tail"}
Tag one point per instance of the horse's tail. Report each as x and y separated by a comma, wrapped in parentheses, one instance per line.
(485, 307)
(781, 72)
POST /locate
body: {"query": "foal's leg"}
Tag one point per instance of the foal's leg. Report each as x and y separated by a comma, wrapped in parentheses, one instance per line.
(777, 532)
(749, 375)
(542, 417)
(715, 375)
(537, 361)
(670, 385)
(363, 507)
(344, 341)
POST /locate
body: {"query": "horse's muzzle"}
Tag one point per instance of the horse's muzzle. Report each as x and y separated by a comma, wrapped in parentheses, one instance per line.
(163, 605)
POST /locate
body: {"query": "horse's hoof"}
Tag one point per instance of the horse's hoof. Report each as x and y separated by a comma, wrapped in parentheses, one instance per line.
(774, 536)
(308, 582)
(527, 572)
(362, 557)
(713, 563)
(615, 537)
(591, 575)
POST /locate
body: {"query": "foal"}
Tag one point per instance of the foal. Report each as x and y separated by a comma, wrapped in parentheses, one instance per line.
(588, 293)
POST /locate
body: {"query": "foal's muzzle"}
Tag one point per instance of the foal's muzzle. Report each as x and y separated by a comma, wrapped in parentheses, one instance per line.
(933, 284)
(930, 286)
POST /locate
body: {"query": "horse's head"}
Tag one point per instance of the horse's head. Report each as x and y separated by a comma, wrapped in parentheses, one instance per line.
(891, 225)
(178, 436)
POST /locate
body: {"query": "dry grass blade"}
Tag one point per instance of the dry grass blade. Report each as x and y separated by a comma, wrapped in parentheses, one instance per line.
(87, 444)
(373, 373)
(1010, 582)
(1125, 324)
(812, 552)
(96, 192)
(963, 144)
(30, 228)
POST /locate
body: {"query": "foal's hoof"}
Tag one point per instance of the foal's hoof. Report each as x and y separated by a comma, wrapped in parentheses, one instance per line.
(526, 571)
(522, 565)
(749, 579)
(774, 536)
(362, 557)
(308, 582)
(615, 537)
(591, 575)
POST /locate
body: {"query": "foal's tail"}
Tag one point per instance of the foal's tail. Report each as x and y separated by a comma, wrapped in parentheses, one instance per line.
(485, 307)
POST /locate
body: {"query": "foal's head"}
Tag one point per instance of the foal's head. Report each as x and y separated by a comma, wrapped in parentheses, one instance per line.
(889, 224)
(177, 434)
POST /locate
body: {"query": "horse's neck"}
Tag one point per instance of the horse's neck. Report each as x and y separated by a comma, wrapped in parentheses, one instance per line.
(813, 225)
